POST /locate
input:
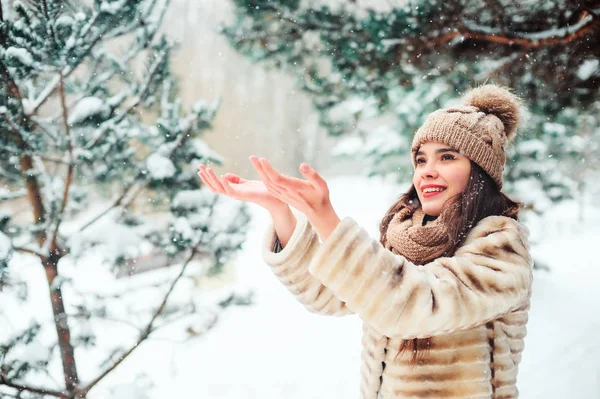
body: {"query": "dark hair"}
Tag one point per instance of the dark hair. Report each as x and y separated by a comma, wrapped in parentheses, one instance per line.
(481, 198)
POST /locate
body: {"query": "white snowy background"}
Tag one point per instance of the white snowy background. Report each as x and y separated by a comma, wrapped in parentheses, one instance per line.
(277, 349)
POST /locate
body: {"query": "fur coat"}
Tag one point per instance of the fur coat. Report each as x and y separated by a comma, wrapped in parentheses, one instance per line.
(474, 305)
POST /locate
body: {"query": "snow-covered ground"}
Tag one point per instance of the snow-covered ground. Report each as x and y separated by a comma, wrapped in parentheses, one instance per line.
(277, 349)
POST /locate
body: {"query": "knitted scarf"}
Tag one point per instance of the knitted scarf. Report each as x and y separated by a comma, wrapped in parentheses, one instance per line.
(420, 244)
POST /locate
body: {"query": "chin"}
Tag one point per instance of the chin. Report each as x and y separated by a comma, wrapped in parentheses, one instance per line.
(431, 209)
(432, 212)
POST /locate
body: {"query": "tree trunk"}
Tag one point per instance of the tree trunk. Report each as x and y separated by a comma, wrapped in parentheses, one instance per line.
(67, 352)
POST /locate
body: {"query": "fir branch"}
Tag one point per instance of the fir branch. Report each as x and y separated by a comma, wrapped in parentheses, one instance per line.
(56, 160)
(9, 196)
(95, 316)
(140, 185)
(90, 24)
(20, 142)
(45, 94)
(115, 204)
(27, 388)
(49, 25)
(31, 251)
(65, 73)
(470, 30)
(145, 333)
(145, 87)
(45, 131)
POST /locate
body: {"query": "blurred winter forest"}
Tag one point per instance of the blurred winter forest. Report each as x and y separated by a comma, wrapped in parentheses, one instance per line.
(122, 276)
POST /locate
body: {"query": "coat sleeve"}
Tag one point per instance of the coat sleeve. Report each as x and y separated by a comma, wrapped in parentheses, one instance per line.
(489, 276)
(290, 266)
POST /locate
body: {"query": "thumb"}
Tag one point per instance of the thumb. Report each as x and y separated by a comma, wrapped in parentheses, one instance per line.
(311, 174)
(305, 168)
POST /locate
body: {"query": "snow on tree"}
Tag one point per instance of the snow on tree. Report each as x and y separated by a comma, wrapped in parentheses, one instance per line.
(79, 127)
(361, 64)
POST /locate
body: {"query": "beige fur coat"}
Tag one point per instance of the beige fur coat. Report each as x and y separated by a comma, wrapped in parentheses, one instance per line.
(474, 306)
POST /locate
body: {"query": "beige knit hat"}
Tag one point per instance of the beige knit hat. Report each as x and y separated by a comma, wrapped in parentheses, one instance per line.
(479, 129)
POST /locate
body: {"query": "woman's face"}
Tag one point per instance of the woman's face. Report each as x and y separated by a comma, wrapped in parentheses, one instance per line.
(440, 173)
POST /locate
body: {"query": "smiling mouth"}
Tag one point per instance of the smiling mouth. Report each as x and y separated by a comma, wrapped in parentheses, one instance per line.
(431, 192)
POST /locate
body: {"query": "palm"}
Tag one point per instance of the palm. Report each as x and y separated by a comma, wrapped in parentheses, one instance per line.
(251, 189)
(234, 186)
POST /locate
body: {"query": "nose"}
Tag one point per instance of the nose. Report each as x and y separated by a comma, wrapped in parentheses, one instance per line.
(429, 171)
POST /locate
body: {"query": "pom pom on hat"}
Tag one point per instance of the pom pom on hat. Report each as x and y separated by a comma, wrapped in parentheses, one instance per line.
(498, 101)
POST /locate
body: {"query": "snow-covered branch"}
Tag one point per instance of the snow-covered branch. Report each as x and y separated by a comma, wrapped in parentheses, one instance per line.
(144, 88)
(145, 333)
(564, 35)
(35, 252)
(36, 390)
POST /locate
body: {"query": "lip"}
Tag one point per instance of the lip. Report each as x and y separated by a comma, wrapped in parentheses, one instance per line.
(431, 194)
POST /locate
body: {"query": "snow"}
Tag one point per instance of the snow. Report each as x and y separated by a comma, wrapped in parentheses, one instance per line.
(277, 349)
(87, 107)
(555, 128)
(128, 391)
(530, 191)
(112, 7)
(5, 246)
(532, 146)
(160, 167)
(64, 21)
(534, 36)
(117, 239)
(33, 352)
(587, 69)
(192, 199)
(20, 54)
(348, 146)
(199, 147)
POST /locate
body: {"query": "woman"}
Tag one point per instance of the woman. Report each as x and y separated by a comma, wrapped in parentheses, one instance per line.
(444, 293)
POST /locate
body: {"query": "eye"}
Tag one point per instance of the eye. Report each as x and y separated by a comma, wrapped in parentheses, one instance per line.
(420, 160)
(448, 157)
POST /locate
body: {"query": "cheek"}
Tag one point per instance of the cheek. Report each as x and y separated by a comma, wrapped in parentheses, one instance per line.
(417, 181)
(461, 177)
(458, 177)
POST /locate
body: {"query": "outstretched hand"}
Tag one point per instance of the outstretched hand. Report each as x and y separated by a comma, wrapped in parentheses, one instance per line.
(240, 189)
(276, 191)
(310, 196)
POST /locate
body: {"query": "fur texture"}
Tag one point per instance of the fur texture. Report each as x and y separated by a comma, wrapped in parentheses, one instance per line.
(498, 101)
(474, 305)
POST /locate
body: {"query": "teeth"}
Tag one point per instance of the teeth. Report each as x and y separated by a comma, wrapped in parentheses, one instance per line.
(432, 189)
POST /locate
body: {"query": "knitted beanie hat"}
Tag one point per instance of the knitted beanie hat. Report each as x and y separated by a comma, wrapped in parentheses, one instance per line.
(479, 129)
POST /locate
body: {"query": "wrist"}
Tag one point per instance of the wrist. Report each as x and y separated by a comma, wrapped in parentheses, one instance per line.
(279, 209)
(325, 222)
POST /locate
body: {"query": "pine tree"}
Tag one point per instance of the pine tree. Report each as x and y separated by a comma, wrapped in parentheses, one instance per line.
(414, 58)
(79, 126)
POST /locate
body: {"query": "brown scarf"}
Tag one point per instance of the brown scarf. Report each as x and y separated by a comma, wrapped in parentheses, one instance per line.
(420, 244)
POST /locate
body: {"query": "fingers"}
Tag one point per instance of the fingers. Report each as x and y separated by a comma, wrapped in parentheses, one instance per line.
(233, 178)
(228, 189)
(205, 178)
(312, 175)
(215, 180)
(210, 179)
(282, 182)
(271, 186)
